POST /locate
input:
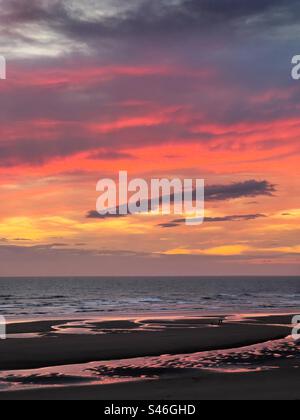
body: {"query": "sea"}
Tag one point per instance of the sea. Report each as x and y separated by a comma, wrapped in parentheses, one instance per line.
(65, 296)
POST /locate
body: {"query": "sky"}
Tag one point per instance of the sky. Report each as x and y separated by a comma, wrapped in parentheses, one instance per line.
(162, 89)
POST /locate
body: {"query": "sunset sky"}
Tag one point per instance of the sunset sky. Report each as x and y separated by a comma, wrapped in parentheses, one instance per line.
(160, 88)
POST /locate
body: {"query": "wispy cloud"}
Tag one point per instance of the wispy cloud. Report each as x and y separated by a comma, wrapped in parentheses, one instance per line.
(235, 218)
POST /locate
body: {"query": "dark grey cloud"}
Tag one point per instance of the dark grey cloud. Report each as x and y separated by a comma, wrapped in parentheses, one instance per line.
(251, 188)
(169, 225)
(236, 190)
(93, 214)
(151, 17)
(19, 11)
(235, 218)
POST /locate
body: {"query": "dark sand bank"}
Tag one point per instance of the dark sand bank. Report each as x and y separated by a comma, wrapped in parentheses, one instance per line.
(71, 349)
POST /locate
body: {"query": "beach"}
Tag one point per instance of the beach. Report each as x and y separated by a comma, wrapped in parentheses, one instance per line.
(148, 358)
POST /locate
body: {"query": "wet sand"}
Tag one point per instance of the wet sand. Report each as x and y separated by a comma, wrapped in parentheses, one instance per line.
(115, 340)
(36, 327)
(274, 319)
(281, 384)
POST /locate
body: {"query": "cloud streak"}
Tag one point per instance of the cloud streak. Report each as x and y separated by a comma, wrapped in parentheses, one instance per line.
(251, 188)
(235, 218)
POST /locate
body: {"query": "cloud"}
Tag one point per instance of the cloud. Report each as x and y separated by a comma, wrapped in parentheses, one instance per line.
(44, 261)
(169, 225)
(246, 189)
(36, 152)
(236, 218)
(251, 188)
(93, 214)
(65, 249)
(83, 19)
(71, 114)
(237, 190)
(124, 30)
(110, 155)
